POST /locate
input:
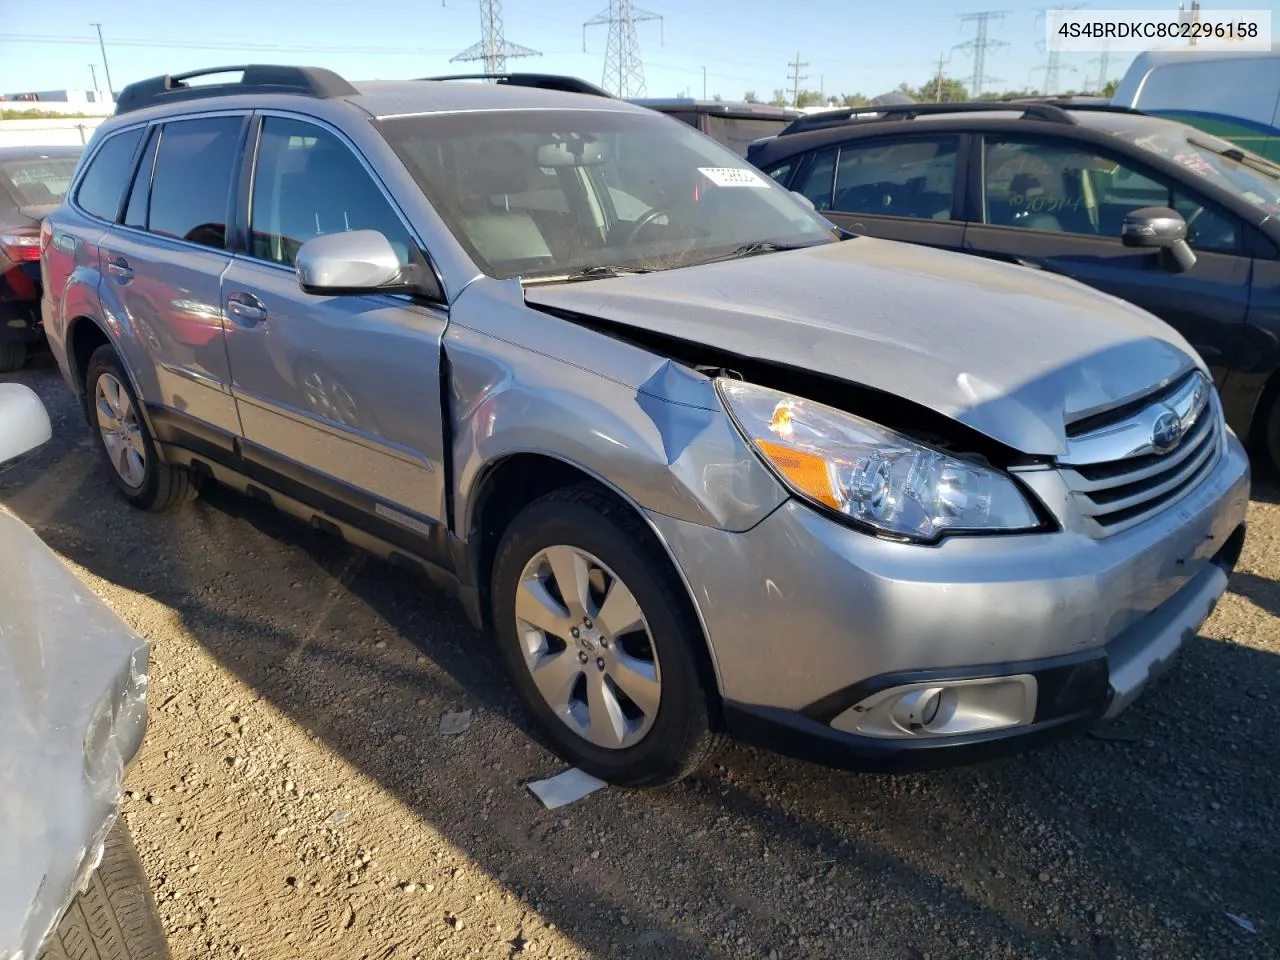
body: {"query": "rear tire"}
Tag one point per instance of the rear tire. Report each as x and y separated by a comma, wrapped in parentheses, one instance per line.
(12, 356)
(115, 917)
(125, 442)
(658, 744)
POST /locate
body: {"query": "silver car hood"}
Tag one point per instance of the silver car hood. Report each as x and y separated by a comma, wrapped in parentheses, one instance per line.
(1012, 352)
(73, 708)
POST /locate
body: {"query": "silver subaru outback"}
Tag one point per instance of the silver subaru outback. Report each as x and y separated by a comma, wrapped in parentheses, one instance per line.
(700, 463)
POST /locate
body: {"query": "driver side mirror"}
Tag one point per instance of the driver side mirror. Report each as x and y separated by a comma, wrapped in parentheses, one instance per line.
(24, 423)
(1159, 228)
(356, 263)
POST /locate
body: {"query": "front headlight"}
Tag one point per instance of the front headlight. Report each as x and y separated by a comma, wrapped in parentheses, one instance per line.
(871, 474)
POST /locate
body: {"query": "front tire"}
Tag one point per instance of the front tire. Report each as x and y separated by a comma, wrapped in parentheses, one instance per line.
(601, 641)
(125, 441)
(115, 917)
(12, 356)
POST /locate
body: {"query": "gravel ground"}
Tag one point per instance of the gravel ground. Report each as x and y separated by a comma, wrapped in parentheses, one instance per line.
(295, 797)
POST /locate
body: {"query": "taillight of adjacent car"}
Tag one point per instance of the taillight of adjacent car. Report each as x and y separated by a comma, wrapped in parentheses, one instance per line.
(21, 245)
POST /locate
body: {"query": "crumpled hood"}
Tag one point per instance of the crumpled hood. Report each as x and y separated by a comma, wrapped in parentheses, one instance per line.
(1012, 352)
(73, 708)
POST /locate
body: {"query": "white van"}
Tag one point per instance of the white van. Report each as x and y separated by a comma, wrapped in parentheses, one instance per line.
(1231, 94)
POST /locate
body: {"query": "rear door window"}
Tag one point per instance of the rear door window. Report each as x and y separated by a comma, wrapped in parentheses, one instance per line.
(191, 187)
(102, 188)
(910, 178)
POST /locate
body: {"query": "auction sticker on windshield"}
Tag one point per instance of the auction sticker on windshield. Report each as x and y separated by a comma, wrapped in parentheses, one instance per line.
(732, 177)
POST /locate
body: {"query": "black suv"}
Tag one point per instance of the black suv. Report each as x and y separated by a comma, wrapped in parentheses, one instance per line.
(1052, 185)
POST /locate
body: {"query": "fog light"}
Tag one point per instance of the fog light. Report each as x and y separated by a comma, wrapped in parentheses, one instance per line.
(943, 708)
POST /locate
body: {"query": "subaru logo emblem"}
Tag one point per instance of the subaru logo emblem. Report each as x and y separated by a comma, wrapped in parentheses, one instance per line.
(1166, 432)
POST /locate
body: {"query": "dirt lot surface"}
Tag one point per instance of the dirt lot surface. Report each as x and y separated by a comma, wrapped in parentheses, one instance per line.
(296, 798)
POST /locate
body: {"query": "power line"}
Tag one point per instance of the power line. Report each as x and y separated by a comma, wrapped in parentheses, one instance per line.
(796, 66)
(978, 47)
(492, 47)
(623, 68)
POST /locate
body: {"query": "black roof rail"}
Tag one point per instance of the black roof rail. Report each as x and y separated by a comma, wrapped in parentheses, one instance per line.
(1098, 105)
(1049, 112)
(542, 81)
(254, 78)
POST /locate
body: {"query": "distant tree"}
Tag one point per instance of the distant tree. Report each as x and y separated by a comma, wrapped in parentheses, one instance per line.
(717, 98)
(779, 98)
(853, 100)
(950, 91)
(1109, 89)
(750, 97)
(809, 98)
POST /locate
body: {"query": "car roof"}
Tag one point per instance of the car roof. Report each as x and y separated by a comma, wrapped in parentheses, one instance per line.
(325, 94)
(1061, 119)
(32, 152)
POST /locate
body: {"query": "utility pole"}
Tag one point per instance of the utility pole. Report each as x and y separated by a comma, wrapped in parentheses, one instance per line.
(93, 72)
(1190, 16)
(937, 89)
(978, 47)
(493, 47)
(111, 94)
(796, 66)
(623, 68)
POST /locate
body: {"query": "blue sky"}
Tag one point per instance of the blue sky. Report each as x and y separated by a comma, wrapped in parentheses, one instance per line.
(850, 46)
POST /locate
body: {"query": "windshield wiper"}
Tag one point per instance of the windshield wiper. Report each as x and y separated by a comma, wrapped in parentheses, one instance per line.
(597, 271)
(755, 248)
(1263, 166)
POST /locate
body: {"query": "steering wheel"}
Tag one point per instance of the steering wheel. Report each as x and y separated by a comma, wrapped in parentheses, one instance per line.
(642, 221)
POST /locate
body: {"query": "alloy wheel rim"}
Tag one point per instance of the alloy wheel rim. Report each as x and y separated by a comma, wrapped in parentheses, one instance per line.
(588, 647)
(121, 431)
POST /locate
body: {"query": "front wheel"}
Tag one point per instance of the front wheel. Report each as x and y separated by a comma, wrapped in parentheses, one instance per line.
(600, 639)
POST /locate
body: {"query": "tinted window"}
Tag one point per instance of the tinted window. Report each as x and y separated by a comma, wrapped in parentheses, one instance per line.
(1060, 188)
(307, 184)
(38, 180)
(782, 171)
(104, 181)
(135, 214)
(191, 187)
(817, 180)
(911, 178)
(737, 133)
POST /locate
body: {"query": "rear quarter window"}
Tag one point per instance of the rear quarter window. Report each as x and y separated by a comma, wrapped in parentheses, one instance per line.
(101, 189)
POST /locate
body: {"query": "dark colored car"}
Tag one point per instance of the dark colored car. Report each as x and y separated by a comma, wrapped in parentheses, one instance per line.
(733, 125)
(33, 181)
(1050, 186)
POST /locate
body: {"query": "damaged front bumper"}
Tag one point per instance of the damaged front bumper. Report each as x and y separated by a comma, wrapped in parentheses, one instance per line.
(73, 705)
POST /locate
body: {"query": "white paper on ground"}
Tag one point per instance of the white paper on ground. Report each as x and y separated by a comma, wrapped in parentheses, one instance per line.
(573, 784)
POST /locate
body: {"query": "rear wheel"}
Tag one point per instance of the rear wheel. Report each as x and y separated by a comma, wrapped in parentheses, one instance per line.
(600, 639)
(115, 917)
(125, 441)
(12, 356)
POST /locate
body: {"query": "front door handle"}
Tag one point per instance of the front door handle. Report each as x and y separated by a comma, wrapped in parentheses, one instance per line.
(120, 269)
(246, 308)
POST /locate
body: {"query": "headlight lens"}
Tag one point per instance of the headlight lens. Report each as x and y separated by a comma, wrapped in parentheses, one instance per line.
(872, 474)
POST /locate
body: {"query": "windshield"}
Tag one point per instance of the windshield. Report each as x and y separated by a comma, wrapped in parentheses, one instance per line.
(546, 193)
(38, 180)
(1201, 154)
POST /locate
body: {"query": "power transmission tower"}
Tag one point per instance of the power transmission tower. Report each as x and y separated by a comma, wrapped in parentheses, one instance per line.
(623, 69)
(796, 66)
(978, 47)
(493, 47)
(1053, 66)
(1103, 61)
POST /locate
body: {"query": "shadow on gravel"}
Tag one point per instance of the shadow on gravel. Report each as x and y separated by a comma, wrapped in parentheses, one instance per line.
(1134, 841)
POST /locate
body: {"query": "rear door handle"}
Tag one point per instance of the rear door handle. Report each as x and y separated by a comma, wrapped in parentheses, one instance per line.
(120, 269)
(246, 308)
